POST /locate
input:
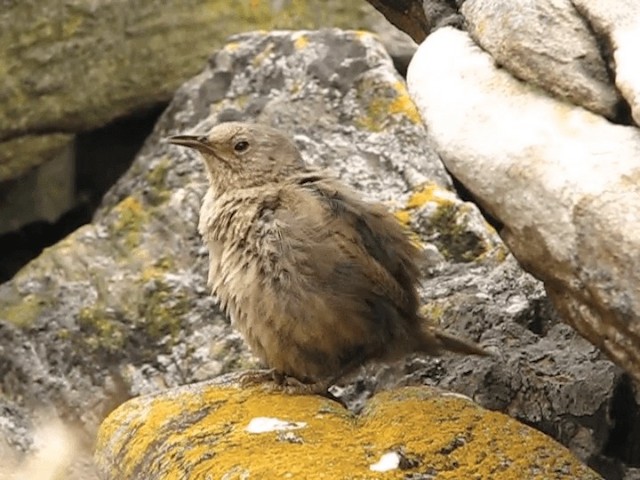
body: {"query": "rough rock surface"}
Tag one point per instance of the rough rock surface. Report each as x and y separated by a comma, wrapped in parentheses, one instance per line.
(619, 23)
(228, 432)
(564, 186)
(120, 307)
(546, 43)
(69, 67)
(99, 60)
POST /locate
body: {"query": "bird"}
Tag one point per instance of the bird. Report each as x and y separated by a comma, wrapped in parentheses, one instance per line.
(317, 280)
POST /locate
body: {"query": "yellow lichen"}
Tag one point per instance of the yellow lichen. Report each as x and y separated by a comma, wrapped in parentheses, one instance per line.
(403, 104)
(131, 214)
(203, 429)
(72, 24)
(301, 42)
(383, 102)
(23, 313)
(403, 216)
(433, 311)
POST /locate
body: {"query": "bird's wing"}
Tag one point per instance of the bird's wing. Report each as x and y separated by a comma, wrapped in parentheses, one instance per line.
(341, 272)
(391, 258)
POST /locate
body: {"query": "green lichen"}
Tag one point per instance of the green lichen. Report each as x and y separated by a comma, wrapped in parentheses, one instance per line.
(24, 312)
(156, 177)
(150, 314)
(127, 227)
(161, 310)
(298, 14)
(101, 330)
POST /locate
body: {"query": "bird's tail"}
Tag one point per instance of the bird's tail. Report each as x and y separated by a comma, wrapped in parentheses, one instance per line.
(458, 345)
(435, 342)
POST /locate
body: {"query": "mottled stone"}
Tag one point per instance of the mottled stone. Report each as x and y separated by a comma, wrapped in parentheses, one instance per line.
(223, 432)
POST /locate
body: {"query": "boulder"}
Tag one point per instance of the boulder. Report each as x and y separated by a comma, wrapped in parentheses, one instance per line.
(213, 431)
(72, 67)
(560, 179)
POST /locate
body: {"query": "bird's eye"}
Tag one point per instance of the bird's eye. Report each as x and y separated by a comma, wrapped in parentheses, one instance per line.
(241, 146)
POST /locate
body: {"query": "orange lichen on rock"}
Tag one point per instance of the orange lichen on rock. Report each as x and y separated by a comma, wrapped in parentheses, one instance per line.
(201, 431)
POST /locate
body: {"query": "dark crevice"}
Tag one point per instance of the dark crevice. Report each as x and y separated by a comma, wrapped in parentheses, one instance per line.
(466, 196)
(624, 440)
(101, 157)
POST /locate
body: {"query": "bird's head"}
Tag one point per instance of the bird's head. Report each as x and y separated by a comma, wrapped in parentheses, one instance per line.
(243, 155)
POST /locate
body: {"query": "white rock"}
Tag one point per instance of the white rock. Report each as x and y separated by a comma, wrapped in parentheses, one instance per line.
(619, 23)
(564, 182)
(546, 43)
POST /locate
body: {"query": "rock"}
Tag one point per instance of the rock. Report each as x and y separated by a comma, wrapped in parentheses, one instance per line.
(120, 307)
(619, 23)
(398, 44)
(222, 432)
(75, 67)
(558, 178)
(548, 44)
(419, 18)
(69, 68)
(40, 189)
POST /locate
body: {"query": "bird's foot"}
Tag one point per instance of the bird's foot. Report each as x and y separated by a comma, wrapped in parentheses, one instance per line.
(253, 378)
(293, 386)
(279, 382)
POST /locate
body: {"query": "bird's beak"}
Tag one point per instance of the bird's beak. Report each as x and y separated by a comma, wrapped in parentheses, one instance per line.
(199, 142)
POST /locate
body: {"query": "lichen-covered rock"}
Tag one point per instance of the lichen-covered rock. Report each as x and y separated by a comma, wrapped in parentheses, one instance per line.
(71, 67)
(121, 308)
(75, 66)
(213, 431)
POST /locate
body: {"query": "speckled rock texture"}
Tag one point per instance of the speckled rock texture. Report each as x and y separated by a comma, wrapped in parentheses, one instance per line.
(120, 307)
(208, 431)
(73, 66)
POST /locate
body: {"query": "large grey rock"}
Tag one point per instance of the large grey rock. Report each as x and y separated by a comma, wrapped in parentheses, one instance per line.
(74, 66)
(548, 44)
(120, 307)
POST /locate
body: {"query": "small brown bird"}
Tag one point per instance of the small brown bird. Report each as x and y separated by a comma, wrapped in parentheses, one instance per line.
(317, 280)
